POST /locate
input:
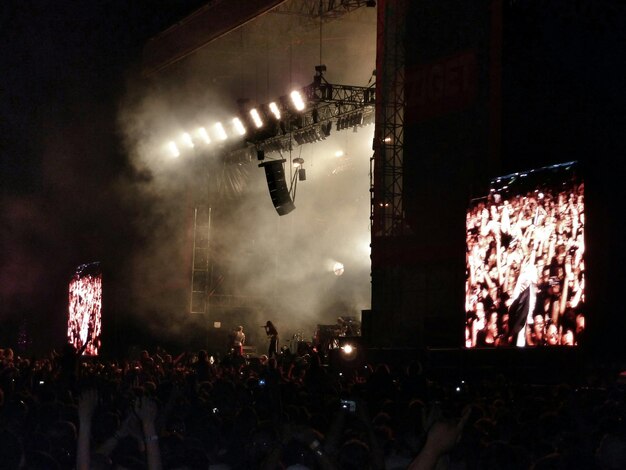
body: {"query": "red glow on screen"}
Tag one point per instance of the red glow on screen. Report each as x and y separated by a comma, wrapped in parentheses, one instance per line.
(525, 283)
(85, 309)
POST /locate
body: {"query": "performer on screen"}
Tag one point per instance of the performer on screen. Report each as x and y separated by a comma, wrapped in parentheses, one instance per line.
(272, 333)
(523, 306)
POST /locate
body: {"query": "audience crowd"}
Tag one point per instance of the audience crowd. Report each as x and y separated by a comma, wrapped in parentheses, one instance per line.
(194, 411)
(531, 242)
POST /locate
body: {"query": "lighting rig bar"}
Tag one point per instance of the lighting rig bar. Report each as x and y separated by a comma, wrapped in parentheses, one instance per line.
(307, 115)
(345, 106)
(326, 9)
(312, 131)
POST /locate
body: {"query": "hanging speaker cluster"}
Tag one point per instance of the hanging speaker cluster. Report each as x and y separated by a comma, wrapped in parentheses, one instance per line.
(277, 185)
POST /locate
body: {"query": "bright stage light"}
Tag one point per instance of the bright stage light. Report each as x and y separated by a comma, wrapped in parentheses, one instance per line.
(220, 132)
(274, 109)
(296, 99)
(339, 153)
(173, 149)
(239, 127)
(187, 140)
(297, 162)
(256, 118)
(338, 268)
(204, 135)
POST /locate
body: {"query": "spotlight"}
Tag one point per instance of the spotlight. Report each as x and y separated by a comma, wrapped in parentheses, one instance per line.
(368, 119)
(219, 130)
(297, 122)
(326, 92)
(256, 118)
(296, 99)
(297, 162)
(338, 268)
(173, 149)
(339, 153)
(204, 135)
(239, 127)
(326, 128)
(187, 140)
(348, 352)
(274, 109)
(299, 138)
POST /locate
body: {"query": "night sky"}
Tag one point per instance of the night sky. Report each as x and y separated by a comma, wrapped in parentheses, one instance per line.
(64, 66)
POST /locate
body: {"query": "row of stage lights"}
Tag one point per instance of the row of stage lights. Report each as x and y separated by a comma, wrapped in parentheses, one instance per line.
(218, 132)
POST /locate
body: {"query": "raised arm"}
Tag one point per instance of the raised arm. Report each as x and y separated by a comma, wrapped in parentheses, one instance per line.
(146, 410)
(86, 406)
(441, 438)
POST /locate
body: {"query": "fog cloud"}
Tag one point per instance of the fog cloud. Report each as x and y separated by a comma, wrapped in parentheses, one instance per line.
(275, 268)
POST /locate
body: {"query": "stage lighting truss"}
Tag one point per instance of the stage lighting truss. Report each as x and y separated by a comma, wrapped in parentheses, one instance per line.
(345, 107)
(283, 123)
(326, 10)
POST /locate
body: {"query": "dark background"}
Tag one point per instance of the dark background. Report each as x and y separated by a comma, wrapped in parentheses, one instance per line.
(64, 67)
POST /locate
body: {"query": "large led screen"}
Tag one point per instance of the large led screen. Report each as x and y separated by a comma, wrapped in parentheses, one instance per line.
(525, 283)
(85, 309)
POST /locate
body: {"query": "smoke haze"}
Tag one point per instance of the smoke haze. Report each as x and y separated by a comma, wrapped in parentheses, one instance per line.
(275, 268)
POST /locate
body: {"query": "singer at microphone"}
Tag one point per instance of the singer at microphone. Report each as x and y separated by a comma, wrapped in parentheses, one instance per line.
(272, 333)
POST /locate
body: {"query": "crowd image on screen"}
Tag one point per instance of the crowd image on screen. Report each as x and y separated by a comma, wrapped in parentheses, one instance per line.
(85, 312)
(525, 283)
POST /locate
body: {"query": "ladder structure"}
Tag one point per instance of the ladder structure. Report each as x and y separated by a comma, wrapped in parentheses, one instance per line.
(200, 271)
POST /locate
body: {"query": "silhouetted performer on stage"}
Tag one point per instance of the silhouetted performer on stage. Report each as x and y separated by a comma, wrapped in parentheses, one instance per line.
(238, 340)
(272, 333)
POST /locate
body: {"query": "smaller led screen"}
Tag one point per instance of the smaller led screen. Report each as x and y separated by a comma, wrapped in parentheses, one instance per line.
(85, 309)
(525, 283)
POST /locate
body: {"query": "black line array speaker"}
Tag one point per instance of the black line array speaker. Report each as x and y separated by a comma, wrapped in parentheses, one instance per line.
(275, 174)
(367, 332)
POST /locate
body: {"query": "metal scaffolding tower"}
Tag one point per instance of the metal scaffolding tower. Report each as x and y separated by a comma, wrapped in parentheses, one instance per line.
(200, 271)
(387, 209)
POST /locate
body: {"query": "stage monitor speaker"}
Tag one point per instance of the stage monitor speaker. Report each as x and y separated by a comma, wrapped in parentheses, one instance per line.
(275, 174)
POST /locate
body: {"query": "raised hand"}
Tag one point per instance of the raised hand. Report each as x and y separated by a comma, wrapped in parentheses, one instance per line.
(441, 438)
(87, 404)
(130, 426)
(146, 410)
